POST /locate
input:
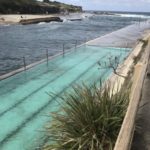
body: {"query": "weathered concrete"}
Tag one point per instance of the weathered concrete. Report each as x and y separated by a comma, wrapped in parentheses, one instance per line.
(27, 18)
(141, 140)
(124, 140)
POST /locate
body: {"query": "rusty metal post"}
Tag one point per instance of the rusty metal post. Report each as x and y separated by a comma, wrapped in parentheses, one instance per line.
(47, 56)
(85, 43)
(24, 63)
(76, 44)
(63, 49)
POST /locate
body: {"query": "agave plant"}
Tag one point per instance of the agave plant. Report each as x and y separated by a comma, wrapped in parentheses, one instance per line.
(89, 119)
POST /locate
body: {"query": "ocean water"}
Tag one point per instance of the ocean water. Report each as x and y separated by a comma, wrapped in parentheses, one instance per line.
(32, 41)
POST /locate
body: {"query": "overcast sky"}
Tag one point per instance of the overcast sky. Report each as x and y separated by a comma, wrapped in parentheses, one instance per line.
(118, 5)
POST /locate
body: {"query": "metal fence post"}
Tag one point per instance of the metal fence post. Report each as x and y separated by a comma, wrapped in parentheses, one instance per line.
(85, 43)
(24, 63)
(126, 45)
(63, 49)
(47, 56)
(76, 44)
(139, 22)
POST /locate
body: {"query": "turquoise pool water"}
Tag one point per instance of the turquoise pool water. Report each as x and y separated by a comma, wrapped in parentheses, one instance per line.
(24, 101)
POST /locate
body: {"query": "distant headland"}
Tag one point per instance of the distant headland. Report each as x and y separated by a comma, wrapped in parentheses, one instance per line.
(36, 7)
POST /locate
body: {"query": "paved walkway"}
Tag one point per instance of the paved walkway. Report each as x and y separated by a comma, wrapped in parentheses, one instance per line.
(126, 37)
(141, 140)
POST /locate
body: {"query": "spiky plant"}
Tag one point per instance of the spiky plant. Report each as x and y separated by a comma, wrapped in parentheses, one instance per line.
(89, 119)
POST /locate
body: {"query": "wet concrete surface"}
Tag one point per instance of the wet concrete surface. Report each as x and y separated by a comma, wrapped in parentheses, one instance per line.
(126, 37)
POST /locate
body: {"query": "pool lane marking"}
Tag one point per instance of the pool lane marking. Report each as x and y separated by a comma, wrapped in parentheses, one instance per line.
(5, 139)
(26, 97)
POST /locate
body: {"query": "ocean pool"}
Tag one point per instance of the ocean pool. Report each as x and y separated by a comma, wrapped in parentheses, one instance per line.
(25, 104)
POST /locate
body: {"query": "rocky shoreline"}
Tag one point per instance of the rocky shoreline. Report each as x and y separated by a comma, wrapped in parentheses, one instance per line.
(36, 7)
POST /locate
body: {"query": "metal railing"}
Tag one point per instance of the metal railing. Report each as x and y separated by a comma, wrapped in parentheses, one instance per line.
(24, 61)
(45, 57)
